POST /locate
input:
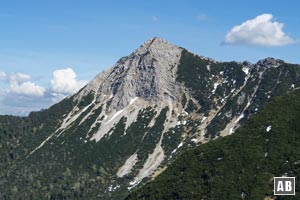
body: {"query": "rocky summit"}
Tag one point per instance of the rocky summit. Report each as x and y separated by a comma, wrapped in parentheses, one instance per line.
(128, 124)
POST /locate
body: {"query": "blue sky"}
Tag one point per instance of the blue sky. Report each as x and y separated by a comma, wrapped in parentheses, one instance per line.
(83, 37)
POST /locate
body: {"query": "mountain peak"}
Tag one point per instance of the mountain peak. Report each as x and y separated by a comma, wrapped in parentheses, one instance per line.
(156, 44)
(142, 79)
(270, 62)
(155, 40)
(148, 73)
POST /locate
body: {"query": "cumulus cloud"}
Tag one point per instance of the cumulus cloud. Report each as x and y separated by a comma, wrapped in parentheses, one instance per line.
(64, 82)
(260, 31)
(19, 77)
(20, 94)
(27, 88)
(20, 83)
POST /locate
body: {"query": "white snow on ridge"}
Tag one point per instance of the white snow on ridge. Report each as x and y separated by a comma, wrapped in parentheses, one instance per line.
(245, 70)
(111, 188)
(239, 118)
(215, 87)
(133, 100)
(71, 118)
(208, 67)
(114, 116)
(106, 126)
(89, 114)
(110, 119)
(180, 145)
(195, 140)
(203, 119)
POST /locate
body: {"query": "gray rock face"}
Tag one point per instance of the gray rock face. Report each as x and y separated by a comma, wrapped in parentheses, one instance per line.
(148, 73)
(269, 62)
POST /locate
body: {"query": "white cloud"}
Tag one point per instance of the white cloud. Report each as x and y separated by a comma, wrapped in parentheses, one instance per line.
(64, 82)
(21, 84)
(260, 31)
(26, 88)
(19, 94)
(19, 77)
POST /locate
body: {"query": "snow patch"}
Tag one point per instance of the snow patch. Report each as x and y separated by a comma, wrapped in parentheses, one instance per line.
(180, 145)
(114, 116)
(266, 154)
(195, 140)
(269, 128)
(248, 104)
(184, 113)
(133, 100)
(293, 86)
(215, 87)
(111, 188)
(203, 119)
(239, 118)
(208, 67)
(89, 114)
(106, 126)
(245, 70)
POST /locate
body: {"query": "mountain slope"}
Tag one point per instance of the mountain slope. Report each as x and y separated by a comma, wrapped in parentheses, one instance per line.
(132, 120)
(240, 166)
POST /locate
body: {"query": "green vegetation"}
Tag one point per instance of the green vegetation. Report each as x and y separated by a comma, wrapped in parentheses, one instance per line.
(243, 163)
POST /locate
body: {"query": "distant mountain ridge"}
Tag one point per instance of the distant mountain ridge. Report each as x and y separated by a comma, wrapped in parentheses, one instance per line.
(132, 120)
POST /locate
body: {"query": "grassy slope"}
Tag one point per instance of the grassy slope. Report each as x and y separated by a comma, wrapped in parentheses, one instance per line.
(244, 162)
